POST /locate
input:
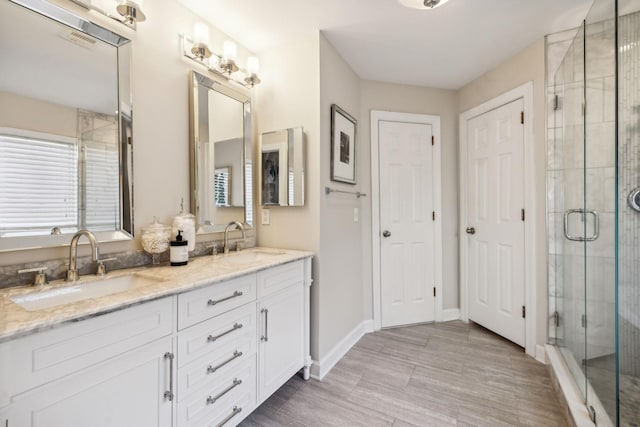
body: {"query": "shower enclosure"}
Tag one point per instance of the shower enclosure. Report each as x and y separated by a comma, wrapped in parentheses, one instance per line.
(593, 212)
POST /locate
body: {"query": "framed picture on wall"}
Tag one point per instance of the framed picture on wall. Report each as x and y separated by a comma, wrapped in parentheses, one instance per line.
(343, 146)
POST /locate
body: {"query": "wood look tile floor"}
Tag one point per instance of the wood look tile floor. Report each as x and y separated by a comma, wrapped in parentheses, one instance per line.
(446, 374)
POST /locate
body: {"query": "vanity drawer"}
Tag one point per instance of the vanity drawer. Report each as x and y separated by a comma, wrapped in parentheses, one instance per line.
(209, 336)
(212, 405)
(202, 304)
(39, 358)
(207, 370)
(274, 279)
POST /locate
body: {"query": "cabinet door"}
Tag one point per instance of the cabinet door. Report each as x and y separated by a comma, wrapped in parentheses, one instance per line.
(281, 335)
(126, 391)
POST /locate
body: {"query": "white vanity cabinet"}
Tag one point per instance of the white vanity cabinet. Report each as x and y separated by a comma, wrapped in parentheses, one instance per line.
(205, 357)
(110, 370)
(239, 341)
(281, 309)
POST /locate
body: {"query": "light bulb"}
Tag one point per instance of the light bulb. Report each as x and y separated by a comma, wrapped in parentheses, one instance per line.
(253, 65)
(200, 33)
(229, 50)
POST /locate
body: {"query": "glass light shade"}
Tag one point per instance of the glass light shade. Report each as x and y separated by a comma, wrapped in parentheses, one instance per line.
(230, 50)
(138, 3)
(253, 65)
(420, 4)
(200, 33)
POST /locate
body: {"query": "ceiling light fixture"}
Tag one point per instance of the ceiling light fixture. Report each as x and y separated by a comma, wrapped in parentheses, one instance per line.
(422, 4)
(224, 65)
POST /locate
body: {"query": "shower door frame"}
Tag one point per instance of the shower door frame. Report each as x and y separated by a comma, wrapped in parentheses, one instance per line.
(525, 92)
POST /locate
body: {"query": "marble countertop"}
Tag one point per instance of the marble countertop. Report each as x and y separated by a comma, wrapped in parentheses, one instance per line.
(16, 321)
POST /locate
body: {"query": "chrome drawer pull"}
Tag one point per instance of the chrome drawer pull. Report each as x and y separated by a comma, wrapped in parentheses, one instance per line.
(212, 400)
(235, 295)
(212, 338)
(212, 369)
(169, 393)
(235, 412)
(265, 337)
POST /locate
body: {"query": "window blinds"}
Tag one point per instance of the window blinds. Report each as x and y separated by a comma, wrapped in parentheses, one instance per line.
(38, 185)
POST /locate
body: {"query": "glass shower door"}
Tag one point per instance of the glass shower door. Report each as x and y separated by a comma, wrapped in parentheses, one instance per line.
(568, 217)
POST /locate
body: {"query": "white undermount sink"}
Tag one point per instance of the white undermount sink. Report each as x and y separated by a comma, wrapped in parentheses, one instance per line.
(80, 291)
(249, 257)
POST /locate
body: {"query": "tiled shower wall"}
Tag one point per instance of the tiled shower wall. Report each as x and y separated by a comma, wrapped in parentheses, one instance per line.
(629, 179)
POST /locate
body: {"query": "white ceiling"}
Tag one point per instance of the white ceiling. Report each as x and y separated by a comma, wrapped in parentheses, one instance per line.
(445, 47)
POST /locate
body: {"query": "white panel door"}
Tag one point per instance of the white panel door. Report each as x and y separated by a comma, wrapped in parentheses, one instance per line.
(407, 267)
(495, 201)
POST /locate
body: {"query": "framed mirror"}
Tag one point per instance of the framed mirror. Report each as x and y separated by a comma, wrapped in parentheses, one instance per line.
(220, 155)
(282, 172)
(65, 128)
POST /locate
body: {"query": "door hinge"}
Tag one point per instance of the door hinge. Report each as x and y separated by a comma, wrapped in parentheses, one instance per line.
(433, 140)
(556, 319)
(556, 102)
(522, 214)
(434, 291)
(522, 117)
(592, 414)
(583, 321)
(524, 312)
(433, 215)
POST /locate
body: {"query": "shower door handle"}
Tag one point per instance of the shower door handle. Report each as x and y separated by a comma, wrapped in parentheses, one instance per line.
(596, 225)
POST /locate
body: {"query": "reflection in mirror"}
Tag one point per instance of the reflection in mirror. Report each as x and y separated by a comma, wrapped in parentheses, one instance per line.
(221, 145)
(65, 128)
(282, 160)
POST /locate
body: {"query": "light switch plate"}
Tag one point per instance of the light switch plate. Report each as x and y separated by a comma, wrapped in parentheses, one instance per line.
(356, 215)
(266, 216)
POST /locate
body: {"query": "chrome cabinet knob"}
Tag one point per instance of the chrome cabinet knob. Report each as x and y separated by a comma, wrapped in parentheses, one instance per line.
(386, 233)
(471, 230)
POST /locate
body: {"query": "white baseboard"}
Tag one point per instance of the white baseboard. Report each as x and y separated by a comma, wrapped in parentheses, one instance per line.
(541, 354)
(450, 314)
(321, 368)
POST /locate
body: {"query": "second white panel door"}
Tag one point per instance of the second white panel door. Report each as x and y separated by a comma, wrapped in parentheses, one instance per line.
(495, 229)
(407, 265)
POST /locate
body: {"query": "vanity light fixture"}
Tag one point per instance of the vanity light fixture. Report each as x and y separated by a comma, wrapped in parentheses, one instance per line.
(131, 11)
(200, 39)
(253, 67)
(230, 53)
(422, 4)
(224, 65)
(127, 12)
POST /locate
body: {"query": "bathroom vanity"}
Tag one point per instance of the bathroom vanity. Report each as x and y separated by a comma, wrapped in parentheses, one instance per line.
(201, 345)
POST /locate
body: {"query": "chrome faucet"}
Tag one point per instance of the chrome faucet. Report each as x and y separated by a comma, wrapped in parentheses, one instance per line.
(238, 226)
(72, 273)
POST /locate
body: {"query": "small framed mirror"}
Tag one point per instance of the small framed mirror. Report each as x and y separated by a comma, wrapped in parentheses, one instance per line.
(282, 161)
(220, 155)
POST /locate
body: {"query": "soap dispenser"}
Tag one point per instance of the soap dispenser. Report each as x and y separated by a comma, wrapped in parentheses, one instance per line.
(186, 222)
(179, 252)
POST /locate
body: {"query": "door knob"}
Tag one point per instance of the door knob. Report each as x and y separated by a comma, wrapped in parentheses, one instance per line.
(386, 233)
(471, 230)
